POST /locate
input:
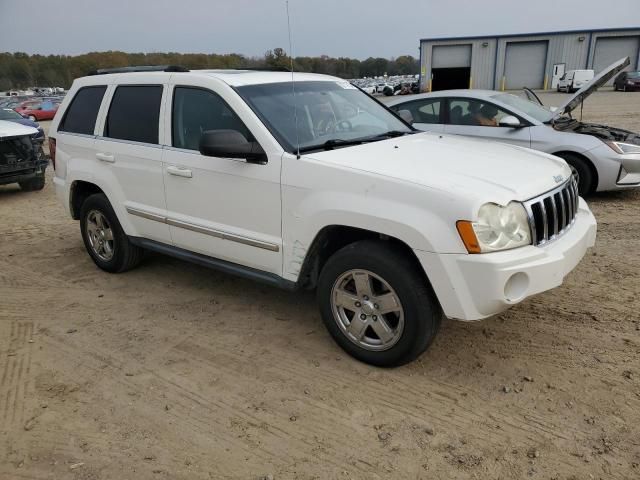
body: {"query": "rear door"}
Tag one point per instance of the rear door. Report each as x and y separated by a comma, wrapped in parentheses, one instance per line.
(129, 156)
(480, 119)
(427, 113)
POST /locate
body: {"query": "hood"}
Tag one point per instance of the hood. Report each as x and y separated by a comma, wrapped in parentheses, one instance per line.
(12, 129)
(599, 80)
(26, 121)
(486, 170)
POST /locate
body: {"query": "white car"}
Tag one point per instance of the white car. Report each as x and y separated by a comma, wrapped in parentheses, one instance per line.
(327, 190)
(601, 157)
(574, 80)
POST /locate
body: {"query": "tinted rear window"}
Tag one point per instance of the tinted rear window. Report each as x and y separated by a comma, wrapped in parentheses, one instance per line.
(134, 113)
(83, 111)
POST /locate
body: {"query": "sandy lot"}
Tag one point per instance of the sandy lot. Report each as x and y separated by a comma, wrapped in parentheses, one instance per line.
(173, 371)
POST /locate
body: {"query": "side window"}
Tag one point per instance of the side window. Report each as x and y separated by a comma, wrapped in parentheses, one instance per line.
(81, 114)
(474, 113)
(195, 111)
(134, 113)
(429, 112)
(422, 111)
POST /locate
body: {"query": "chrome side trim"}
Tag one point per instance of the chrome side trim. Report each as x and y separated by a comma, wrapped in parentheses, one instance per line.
(147, 215)
(272, 247)
(223, 235)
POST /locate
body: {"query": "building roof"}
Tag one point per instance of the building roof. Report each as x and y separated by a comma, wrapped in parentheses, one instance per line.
(531, 34)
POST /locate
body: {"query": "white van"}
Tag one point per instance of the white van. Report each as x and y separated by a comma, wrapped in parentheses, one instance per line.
(573, 80)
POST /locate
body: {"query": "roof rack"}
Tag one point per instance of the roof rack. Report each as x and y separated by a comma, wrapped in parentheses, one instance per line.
(264, 69)
(143, 68)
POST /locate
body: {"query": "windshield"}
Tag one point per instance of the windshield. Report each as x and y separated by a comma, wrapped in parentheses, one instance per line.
(633, 75)
(327, 113)
(525, 106)
(8, 114)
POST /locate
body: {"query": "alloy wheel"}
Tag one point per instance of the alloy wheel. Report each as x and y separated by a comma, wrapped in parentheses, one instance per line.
(100, 235)
(367, 310)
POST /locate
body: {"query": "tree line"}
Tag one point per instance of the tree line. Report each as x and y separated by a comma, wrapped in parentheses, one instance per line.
(20, 70)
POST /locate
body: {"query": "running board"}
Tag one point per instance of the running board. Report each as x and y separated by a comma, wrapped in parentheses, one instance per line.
(215, 263)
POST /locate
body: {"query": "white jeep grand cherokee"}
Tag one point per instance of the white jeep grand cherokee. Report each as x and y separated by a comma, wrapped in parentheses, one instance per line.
(322, 189)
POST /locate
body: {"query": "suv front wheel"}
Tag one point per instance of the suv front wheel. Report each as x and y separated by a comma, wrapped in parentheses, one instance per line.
(377, 305)
(103, 237)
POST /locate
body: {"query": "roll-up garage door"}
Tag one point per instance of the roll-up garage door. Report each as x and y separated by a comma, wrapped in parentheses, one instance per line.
(610, 49)
(451, 56)
(524, 65)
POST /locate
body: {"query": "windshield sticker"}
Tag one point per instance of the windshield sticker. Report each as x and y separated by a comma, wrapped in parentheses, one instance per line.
(346, 85)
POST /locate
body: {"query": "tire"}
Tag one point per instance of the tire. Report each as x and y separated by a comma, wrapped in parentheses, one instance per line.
(33, 184)
(116, 253)
(581, 169)
(414, 317)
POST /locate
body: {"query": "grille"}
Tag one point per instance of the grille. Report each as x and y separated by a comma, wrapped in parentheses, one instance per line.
(553, 213)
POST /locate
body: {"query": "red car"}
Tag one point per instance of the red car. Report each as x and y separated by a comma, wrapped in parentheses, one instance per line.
(37, 110)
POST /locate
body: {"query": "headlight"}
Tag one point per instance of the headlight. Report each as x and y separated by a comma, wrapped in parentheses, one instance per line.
(497, 228)
(622, 148)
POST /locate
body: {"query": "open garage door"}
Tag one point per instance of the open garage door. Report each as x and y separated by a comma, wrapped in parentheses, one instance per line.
(524, 65)
(610, 49)
(451, 66)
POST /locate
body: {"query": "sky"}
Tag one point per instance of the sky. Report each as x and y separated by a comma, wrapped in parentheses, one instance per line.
(350, 28)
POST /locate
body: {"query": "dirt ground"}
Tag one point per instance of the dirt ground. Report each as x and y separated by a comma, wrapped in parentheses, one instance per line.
(173, 371)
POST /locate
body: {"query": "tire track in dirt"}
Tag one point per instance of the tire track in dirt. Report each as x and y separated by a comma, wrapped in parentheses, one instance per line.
(183, 400)
(15, 380)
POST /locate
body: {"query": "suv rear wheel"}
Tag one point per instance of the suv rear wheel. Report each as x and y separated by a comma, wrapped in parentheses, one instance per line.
(377, 305)
(103, 237)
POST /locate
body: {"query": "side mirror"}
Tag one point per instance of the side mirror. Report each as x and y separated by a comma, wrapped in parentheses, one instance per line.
(406, 116)
(231, 144)
(24, 115)
(510, 121)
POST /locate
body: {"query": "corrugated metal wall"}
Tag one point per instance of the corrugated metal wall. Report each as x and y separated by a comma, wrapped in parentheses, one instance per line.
(574, 49)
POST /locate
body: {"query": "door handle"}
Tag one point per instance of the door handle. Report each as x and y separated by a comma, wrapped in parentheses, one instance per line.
(179, 172)
(105, 157)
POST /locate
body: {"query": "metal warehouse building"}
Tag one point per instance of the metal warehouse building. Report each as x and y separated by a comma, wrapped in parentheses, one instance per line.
(534, 60)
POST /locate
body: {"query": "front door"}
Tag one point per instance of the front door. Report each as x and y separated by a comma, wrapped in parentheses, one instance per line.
(481, 119)
(221, 207)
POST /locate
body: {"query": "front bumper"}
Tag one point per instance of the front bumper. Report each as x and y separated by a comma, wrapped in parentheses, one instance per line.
(615, 171)
(472, 287)
(22, 172)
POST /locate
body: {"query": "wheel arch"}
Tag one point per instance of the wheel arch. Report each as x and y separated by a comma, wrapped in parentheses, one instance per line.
(587, 161)
(332, 238)
(81, 190)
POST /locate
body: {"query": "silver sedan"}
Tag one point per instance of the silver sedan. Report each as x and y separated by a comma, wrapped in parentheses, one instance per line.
(601, 157)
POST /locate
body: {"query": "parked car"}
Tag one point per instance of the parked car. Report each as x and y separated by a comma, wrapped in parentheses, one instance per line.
(390, 226)
(13, 116)
(601, 157)
(20, 161)
(627, 82)
(38, 110)
(573, 80)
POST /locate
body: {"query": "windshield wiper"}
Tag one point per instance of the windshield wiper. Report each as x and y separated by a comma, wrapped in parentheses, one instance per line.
(390, 134)
(331, 144)
(338, 142)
